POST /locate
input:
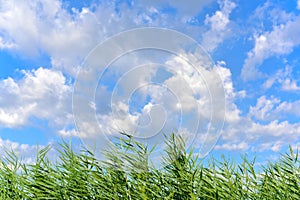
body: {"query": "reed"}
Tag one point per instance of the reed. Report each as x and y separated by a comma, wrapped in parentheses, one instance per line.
(128, 174)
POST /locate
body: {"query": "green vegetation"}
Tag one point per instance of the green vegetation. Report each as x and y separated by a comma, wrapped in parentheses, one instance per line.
(127, 174)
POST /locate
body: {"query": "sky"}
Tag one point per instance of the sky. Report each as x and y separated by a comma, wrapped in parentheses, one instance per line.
(246, 101)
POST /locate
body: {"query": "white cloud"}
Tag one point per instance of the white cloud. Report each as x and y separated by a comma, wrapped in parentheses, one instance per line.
(219, 26)
(269, 82)
(232, 111)
(260, 136)
(24, 151)
(262, 109)
(272, 109)
(194, 86)
(298, 4)
(289, 108)
(41, 93)
(280, 41)
(6, 45)
(243, 146)
(176, 103)
(275, 146)
(290, 85)
(285, 78)
(277, 129)
(272, 12)
(66, 37)
(265, 127)
(68, 132)
(182, 7)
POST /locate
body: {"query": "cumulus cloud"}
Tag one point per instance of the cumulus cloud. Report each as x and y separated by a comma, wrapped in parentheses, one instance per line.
(173, 96)
(290, 85)
(24, 151)
(186, 9)
(243, 146)
(219, 26)
(41, 93)
(264, 127)
(281, 40)
(289, 108)
(267, 109)
(285, 78)
(140, 79)
(258, 136)
(262, 109)
(67, 37)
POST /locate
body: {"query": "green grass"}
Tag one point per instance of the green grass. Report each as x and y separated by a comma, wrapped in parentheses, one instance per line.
(127, 174)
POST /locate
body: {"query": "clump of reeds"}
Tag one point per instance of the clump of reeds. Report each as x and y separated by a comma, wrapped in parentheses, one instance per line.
(128, 174)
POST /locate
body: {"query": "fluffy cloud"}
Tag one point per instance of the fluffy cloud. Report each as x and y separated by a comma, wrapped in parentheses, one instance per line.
(285, 78)
(172, 96)
(290, 85)
(264, 127)
(243, 146)
(286, 131)
(258, 136)
(219, 24)
(186, 9)
(289, 108)
(263, 108)
(41, 93)
(66, 37)
(279, 41)
(24, 151)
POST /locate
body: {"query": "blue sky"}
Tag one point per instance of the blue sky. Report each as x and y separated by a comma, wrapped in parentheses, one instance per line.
(255, 46)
